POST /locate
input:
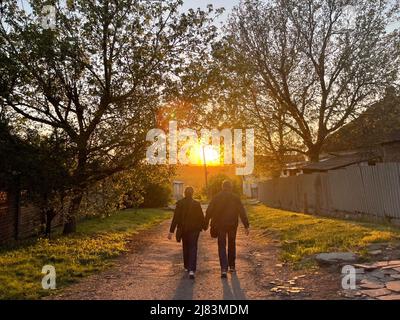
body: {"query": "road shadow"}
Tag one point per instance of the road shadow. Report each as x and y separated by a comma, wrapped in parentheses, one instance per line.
(227, 291)
(232, 289)
(184, 290)
(236, 288)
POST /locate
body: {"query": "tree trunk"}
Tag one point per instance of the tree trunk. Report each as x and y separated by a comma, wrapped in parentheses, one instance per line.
(50, 215)
(70, 223)
(313, 153)
(314, 157)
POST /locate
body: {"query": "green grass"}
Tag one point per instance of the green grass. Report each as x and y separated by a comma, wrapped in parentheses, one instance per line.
(304, 235)
(90, 250)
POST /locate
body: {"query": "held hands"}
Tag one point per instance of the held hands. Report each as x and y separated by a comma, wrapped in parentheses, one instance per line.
(170, 235)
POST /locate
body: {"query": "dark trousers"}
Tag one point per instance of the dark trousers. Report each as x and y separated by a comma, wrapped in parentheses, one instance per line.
(189, 245)
(224, 259)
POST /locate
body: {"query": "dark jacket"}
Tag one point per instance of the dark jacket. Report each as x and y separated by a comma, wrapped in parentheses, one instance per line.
(224, 211)
(189, 215)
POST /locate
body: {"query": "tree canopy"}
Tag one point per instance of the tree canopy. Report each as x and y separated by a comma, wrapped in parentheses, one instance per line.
(98, 77)
(300, 70)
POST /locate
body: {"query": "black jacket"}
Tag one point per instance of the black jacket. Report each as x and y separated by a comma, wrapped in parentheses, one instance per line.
(224, 211)
(188, 215)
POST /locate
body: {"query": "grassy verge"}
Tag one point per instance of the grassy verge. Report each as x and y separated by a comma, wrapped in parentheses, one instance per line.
(304, 235)
(88, 251)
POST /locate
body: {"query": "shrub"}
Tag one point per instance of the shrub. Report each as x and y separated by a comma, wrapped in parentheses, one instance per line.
(215, 185)
(156, 195)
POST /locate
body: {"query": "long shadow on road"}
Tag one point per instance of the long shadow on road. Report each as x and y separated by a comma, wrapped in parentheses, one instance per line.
(184, 290)
(232, 290)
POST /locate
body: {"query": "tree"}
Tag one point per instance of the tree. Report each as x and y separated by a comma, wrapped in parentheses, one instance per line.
(98, 77)
(311, 64)
(374, 126)
(37, 165)
(239, 100)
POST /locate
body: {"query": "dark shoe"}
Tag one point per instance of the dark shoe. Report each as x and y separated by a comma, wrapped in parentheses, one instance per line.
(223, 275)
(191, 275)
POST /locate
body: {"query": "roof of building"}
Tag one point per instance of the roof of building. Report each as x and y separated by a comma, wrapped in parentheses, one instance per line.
(337, 162)
(295, 165)
(377, 125)
(394, 137)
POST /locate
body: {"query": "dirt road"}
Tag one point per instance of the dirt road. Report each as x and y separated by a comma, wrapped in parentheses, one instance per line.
(153, 269)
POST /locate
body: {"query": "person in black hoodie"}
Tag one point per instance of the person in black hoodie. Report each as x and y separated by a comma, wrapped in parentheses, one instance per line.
(224, 211)
(189, 221)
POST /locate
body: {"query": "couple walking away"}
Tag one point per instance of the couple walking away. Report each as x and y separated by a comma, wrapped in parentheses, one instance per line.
(224, 211)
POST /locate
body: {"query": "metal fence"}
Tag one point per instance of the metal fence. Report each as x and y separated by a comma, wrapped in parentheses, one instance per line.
(369, 190)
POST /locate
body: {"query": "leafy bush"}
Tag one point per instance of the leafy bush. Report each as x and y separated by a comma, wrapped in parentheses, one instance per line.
(156, 195)
(215, 185)
(146, 187)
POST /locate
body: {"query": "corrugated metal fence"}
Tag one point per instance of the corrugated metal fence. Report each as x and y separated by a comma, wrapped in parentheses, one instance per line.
(370, 190)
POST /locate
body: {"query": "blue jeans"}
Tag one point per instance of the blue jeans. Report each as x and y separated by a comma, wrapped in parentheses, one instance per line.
(189, 246)
(224, 259)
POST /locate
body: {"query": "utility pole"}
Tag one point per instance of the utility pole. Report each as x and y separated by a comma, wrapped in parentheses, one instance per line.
(205, 168)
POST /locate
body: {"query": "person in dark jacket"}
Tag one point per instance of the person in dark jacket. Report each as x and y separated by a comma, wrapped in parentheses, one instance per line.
(189, 221)
(224, 211)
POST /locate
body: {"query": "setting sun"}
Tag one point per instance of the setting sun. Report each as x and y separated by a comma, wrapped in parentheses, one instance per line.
(211, 155)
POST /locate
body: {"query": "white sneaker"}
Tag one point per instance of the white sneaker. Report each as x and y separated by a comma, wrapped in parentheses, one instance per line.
(191, 275)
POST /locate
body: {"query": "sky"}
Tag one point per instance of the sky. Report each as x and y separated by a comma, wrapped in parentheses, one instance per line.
(194, 4)
(227, 4)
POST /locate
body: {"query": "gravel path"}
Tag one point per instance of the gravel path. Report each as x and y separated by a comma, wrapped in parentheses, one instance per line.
(153, 269)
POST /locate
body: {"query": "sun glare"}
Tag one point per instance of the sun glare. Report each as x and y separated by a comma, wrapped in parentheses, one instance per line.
(211, 155)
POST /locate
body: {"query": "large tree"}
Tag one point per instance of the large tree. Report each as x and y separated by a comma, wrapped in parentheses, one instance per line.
(99, 76)
(238, 100)
(304, 68)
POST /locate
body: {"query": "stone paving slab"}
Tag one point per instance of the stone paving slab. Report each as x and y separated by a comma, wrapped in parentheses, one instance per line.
(368, 284)
(393, 285)
(380, 280)
(391, 266)
(375, 252)
(390, 297)
(374, 293)
(381, 277)
(334, 257)
(365, 266)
